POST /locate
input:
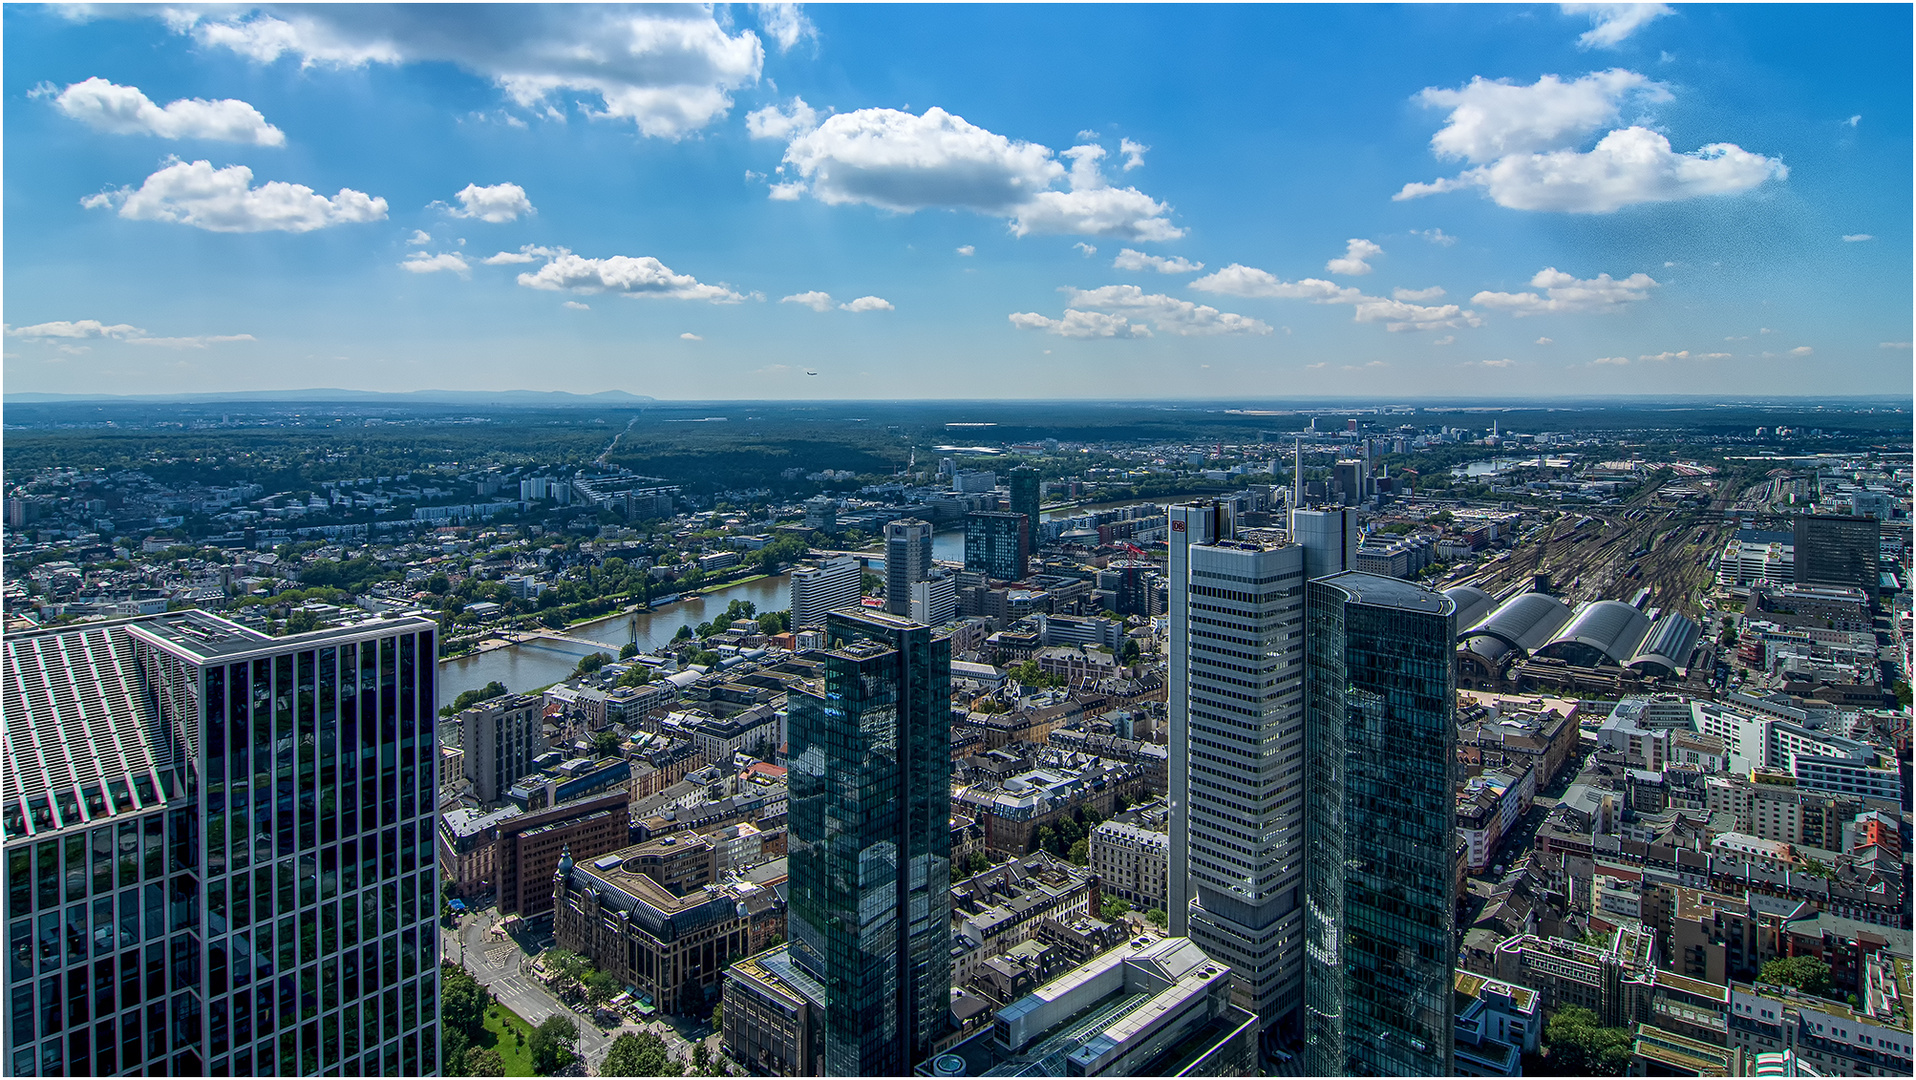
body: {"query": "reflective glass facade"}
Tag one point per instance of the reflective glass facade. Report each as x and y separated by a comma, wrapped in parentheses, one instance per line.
(998, 544)
(1381, 828)
(870, 842)
(275, 914)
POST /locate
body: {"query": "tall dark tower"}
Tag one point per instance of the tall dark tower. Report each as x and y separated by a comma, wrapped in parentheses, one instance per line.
(1380, 828)
(1025, 484)
(870, 841)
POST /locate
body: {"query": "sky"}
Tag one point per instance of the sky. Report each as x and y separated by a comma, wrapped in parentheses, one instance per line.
(871, 201)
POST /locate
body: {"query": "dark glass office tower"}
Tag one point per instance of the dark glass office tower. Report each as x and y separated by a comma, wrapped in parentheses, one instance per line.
(998, 544)
(219, 849)
(870, 840)
(1380, 828)
(1834, 549)
(1025, 482)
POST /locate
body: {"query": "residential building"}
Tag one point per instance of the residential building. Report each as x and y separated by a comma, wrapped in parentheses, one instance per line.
(997, 545)
(1833, 1038)
(772, 1019)
(501, 737)
(869, 838)
(824, 587)
(1497, 1023)
(1000, 908)
(1381, 827)
(1131, 863)
(907, 560)
(219, 849)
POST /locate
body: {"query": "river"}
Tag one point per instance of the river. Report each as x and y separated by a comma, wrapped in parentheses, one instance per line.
(536, 663)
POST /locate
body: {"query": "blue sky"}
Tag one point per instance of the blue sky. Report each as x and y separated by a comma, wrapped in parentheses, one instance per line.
(968, 201)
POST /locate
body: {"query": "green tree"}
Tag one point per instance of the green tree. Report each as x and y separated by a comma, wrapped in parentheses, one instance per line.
(628, 650)
(438, 584)
(1156, 917)
(469, 698)
(300, 622)
(462, 1000)
(551, 1044)
(592, 662)
(1113, 909)
(1806, 973)
(1128, 655)
(636, 675)
(606, 743)
(484, 1061)
(718, 1016)
(1080, 853)
(684, 634)
(979, 863)
(1047, 838)
(705, 658)
(701, 1057)
(1578, 1046)
(643, 1054)
(600, 987)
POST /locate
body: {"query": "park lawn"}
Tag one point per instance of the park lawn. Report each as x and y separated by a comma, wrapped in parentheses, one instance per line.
(498, 1035)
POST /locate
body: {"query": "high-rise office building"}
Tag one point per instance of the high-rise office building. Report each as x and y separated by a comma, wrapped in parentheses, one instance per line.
(870, 842)
(935, 600)
(1025, 483)
(824, 587)
(998, 544)
(1836, 549)
(500, 738)
(219, 849)
(1381, 828)
(907, 560)
(1236, 742)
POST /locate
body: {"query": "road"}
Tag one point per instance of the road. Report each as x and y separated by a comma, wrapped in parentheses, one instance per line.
(499, 963)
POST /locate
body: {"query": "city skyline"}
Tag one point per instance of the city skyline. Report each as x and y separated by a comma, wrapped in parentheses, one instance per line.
(1507, 200)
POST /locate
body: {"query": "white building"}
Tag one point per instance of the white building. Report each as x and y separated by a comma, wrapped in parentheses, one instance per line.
(1131, 863)
(825, 587)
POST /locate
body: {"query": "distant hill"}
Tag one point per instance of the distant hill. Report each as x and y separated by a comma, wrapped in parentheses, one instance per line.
(449, 397)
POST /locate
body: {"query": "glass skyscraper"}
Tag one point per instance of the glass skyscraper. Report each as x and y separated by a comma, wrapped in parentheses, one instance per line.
(907, 560)
(1381, 828)
(870, 841)
(219, 849)
(998, 544)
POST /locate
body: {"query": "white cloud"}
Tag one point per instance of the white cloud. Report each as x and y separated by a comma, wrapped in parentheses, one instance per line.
(866, 303)
(785, 24)
(1447, 339)
(1564, 293)
(1802, 350)
(1435, 236)
(1399, 317)
(788, 192)
(224, 200)
(1353, 263)
(1504, 363)
(1130, 259)
(1667, 356)
(968, 250)
(1628, 166)
(1431, 293)
(496, 204)
(1088, 249)
(1081, 324)
(1169, 314)
(1490, 119)
(623, 274)
(1857, 238)
(1616, 361)
(1133, 153)
(526, 253)
(421, 263)
(771, 122)
(419, 236)
(1239, 280)
(85, 329)
(669, 69)
(1611, 23)
(1320, 365)
(817, 301)
(900, 162)
(689, 336)
(1893, 345)
(1546, 341)
(1854, 120)
(1714, 356)
(574, 305)
(124, 110)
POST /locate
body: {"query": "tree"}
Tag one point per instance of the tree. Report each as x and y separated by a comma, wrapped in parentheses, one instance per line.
(1807, 973)
(551, 1044)
(1578, 1046)
(606, 743)
(718, 1016)
(701, 1057)
(1046, 837)
(453, 1043)
(1113, 909)
(484, 1061)
(628, 650)
(684, 634)
(705, 658)
(302, 621)
(462, 1000)
(636, 675)
(1128, 655)
(592, 662)
(1156, 917)
(469, 698)
(1080, 853)
(979, 862)
(600, 987)
(643, 1054)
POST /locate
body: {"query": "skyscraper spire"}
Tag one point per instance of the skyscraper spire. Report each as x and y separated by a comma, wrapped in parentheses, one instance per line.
(1297, 475)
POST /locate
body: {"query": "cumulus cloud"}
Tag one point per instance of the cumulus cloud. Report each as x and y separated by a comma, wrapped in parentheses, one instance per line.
(1087, 249)
(1854, 120)
(1857, 238)
(622, 274)
(225, 200)
(772, 122)
(574, 305)
(817, 301)
(1354, 261)
(1614, 361)
(1081, 324)
(1564, 293)
(496, 204)
(1130, 259)
(1169, 314)
(1414, 295)
(904, 163)
(1610, 24)
(1435, 236)
(1399, 317)
(421, 263)
(527, 253)
(689, 336)
(1523, 144)
(83, 329)
(1133, 153)
(419, 236)
(786, 24)
(1802, 350)
(669, 69)
(866, 303)
(124, 110)
(1546, 341)
(788, 192)
(1397, 314)
(968, 250)
(1667, 356)
(1504, 363)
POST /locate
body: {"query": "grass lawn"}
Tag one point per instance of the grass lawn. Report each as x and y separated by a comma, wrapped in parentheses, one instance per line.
(501, 1023)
